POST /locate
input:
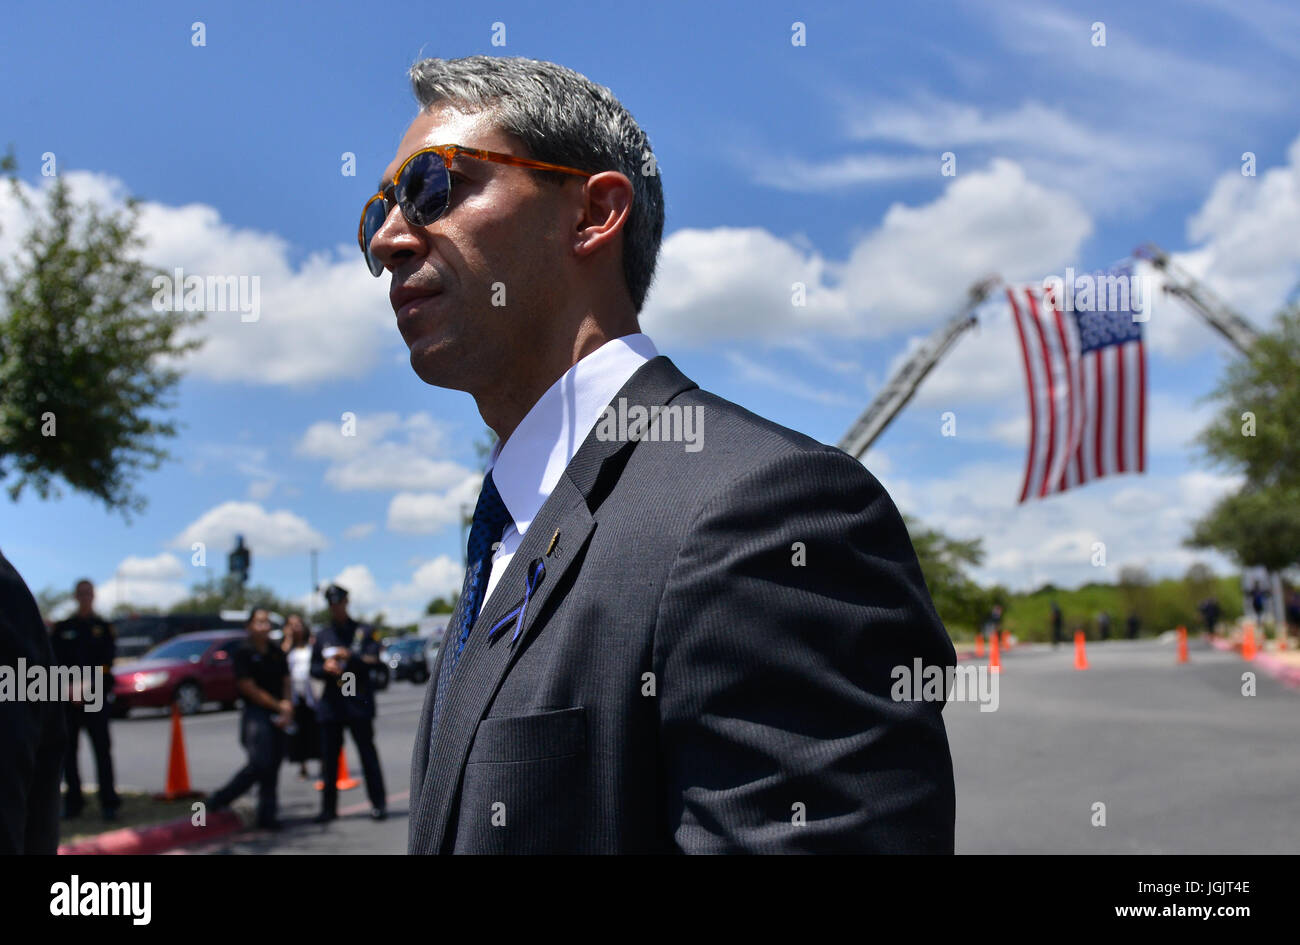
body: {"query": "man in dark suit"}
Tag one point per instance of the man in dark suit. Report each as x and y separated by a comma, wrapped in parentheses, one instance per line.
(680, 623)
(31, 733)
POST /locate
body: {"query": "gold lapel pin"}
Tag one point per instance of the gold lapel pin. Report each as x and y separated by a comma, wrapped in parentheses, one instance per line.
(551, 546)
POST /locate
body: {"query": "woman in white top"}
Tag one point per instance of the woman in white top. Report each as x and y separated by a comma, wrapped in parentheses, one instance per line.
(304, 741)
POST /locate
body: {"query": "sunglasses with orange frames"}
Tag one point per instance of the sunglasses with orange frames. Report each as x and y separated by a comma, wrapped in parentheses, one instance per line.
(422, 188)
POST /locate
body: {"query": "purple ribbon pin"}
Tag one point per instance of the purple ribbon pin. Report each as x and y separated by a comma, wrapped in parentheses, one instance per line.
(536, 571)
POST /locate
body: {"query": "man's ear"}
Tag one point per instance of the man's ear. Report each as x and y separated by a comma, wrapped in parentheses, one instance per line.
(606, 205)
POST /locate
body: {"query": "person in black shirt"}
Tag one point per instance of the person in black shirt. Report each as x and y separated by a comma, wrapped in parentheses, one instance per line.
(31, 733)
(342, 656)
(87, 640)
(262, 679)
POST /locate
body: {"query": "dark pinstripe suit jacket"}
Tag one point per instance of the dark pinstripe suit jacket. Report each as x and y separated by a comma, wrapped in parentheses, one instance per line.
(680, 682)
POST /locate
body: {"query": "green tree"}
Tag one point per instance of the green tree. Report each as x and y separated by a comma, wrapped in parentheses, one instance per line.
(216, 594)
(960, 601)
(48, 599)
(442, 605)
(1257, 527)
(1256, 432)
(86, 363)
(1200, 582)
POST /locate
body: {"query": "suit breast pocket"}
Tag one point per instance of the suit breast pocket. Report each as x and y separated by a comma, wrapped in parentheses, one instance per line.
(525, 784)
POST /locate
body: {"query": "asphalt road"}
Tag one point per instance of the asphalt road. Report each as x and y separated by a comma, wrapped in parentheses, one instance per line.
(1182, 761)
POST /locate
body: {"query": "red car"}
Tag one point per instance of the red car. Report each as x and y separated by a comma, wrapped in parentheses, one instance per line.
(189, 669)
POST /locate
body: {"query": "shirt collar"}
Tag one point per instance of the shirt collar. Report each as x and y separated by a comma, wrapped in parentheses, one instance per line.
(527, 466)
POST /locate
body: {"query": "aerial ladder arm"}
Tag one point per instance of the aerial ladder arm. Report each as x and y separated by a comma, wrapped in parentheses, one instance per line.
(901, 387)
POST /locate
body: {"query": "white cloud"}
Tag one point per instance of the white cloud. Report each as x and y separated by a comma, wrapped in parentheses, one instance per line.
(799, 175)
(268, 534)
(756, 373)
(1249, 231)
(402, 602)
(157, 582)
(423, 513)
(161, 567)
(323, 319)
(1161, 78)
(1142, 520)
(920, 262)
(908, 273)
(382, 452)
(737, 283)
(359, 530)
(1107, 167)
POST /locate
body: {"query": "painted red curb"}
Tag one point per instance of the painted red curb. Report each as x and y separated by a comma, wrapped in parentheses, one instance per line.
(155, 838)
(1287, 675)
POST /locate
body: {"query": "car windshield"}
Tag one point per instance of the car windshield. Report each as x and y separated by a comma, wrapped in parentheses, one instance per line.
(402, 646)
(179, 650)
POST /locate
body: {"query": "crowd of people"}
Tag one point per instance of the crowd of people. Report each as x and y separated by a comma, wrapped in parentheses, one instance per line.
(298, 694)
(299, 698)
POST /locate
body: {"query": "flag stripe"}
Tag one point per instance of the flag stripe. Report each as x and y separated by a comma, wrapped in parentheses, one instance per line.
(1121, 408)
(1050, 388)
(1029, 385)
(1142, 408)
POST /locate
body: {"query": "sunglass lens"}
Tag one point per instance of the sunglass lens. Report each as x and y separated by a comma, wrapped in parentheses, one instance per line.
(375, 217)
(423, 189)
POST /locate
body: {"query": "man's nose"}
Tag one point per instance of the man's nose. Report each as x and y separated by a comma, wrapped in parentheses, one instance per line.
(397, 240)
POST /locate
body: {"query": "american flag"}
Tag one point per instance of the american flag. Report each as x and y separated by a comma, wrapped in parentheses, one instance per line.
(1086, 376)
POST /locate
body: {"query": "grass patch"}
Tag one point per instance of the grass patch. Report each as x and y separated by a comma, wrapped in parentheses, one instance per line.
(137, 810)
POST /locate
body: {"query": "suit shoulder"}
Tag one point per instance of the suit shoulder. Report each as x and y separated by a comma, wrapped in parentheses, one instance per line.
(749, 441)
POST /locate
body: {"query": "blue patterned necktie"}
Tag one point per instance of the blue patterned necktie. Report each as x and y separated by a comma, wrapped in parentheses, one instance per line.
(490, 519)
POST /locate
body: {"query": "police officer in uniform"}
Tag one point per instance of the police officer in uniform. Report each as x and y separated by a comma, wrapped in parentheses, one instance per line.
(87, 640)
(342, 657)
(262, 678)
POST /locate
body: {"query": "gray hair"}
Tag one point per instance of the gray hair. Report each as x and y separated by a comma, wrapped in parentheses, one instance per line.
(562, 117)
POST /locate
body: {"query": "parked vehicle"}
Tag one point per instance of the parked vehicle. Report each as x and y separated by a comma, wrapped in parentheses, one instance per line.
(137, 635)
(407, 659)
(190, 670)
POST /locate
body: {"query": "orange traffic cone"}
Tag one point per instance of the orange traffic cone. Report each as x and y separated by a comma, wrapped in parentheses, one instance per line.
(995, 657)
(979, 646)
(344, 781)
(1248, 647)
(1182, 644)
(1080, 651)
(178, 769)
(1006, 639)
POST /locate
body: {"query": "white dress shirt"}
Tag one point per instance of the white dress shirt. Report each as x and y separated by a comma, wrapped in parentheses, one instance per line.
(527, 467)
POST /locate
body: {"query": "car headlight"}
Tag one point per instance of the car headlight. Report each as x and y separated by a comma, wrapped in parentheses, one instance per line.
(145, 681)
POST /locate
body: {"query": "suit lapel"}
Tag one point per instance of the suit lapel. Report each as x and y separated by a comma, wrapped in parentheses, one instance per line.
(420, 751)
(484, 663)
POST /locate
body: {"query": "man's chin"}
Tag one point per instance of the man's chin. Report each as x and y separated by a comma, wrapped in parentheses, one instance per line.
(435, 365)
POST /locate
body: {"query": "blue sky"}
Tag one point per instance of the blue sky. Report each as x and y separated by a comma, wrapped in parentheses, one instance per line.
(817, 163)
